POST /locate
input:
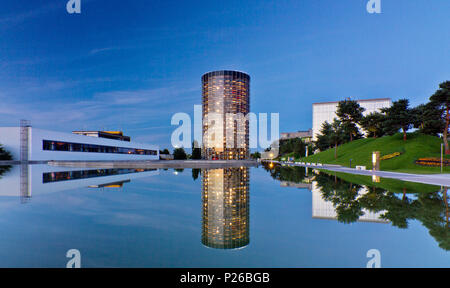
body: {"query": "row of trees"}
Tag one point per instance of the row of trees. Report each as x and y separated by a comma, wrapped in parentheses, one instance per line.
(431, 118)
(180, 153)
(4, 156)
(294, 145)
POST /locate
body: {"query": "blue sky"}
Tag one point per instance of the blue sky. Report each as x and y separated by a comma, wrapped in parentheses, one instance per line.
(132, 64)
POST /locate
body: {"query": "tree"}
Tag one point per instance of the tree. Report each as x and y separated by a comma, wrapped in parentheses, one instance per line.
(441, 98)
(294, 145)
(196, 151)
(398, 116)
(336, 135)
(429, 118)
(256, 155)
(195, 173)
(323, 141)
(165, 151)
(4, 155)
(432, 210)
(179, 154)
(343, 195)
(349, 113)
(373, 124)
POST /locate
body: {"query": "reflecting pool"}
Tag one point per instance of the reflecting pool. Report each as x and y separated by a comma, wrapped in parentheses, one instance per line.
(231, 217)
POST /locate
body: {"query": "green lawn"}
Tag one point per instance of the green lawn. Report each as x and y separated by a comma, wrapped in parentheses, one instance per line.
(360, 151)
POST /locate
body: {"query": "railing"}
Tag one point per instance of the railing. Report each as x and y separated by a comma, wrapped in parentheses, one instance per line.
(24, 137)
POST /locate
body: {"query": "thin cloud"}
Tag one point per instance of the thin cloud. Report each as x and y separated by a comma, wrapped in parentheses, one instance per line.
(17, 18)
(7, 21)
(154, 96)
(105, 109)
(106, 49)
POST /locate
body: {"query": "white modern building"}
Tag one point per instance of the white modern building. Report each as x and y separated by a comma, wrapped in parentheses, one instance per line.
(31, 144)
(326, 111)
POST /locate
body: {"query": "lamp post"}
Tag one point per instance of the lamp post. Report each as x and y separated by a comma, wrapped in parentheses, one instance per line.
(376, 161)
(442, 158)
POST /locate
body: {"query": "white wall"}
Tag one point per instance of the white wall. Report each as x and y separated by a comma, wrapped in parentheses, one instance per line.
(327, 112)
(10, 138)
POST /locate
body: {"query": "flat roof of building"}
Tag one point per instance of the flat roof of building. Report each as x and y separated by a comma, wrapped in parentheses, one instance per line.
(362, 100)
(307, 133)
(98, 131)
(226, 72)
(115, 135)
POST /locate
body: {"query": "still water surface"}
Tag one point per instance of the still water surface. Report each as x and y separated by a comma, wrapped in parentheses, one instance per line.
(232, 217)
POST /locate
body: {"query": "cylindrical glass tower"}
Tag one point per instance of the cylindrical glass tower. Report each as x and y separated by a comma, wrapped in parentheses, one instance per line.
(226, 104)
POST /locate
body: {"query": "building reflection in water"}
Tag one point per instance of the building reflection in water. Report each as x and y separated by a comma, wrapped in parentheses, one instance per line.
(375, 200)
(28, 180)
(325, 208)
(25, 191)
(226, 205)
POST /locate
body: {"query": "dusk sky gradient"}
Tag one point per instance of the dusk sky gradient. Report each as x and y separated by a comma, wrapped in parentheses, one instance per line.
(132, 64)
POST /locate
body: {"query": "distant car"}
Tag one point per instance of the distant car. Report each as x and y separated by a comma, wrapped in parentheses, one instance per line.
(215, 158)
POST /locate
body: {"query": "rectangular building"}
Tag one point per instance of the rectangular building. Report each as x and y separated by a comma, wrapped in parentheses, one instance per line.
(306, 136)
(44, 145)
(326, 111)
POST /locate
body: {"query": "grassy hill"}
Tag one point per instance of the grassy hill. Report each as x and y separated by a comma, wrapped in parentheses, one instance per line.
(360, 151)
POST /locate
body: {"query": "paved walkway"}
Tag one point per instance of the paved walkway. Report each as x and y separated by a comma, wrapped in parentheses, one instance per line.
(433, 179)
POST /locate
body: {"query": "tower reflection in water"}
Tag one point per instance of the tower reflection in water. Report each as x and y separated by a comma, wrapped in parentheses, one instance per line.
(226, 208)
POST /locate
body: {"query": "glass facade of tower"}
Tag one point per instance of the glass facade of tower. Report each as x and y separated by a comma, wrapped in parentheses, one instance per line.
(226, 208)
(226, 104)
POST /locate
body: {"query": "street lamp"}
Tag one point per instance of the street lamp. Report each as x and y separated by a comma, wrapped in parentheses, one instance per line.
(376, 160)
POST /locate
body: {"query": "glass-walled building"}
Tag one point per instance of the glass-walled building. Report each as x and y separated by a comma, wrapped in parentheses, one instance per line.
(226, 208)
(45, 145)
(226, 104)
